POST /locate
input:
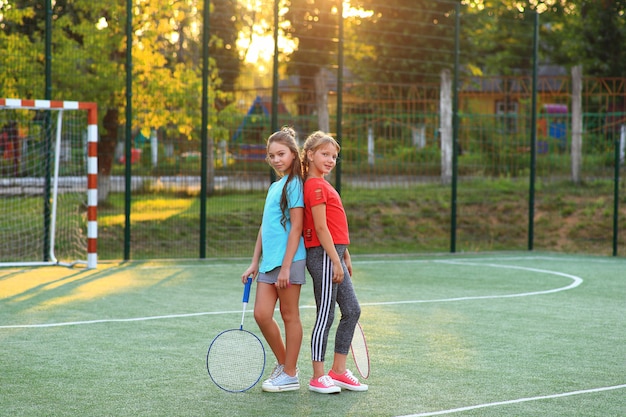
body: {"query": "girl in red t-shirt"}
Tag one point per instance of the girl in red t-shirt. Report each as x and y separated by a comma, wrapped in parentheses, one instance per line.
(326, 239)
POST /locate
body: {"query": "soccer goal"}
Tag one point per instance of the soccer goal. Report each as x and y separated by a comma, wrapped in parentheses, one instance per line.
(48, 182)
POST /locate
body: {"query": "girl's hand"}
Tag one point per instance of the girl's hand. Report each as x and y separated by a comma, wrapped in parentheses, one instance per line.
(283, 278)
(348, 261)
(337, 273)
(251, 272)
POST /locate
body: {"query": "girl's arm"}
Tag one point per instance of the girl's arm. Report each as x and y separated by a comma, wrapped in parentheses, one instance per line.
(296, 216)
(321, 228)
(253, 269)
(348, 261)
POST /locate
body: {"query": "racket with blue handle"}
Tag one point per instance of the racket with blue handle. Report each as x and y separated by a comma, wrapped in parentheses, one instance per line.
(236, 357)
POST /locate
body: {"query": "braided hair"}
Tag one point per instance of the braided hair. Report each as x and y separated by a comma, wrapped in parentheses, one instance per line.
(313, 143)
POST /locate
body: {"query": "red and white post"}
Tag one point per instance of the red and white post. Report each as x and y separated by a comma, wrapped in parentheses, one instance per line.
(92, 159)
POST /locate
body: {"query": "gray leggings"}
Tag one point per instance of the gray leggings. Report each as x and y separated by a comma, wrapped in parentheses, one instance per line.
(326, 295)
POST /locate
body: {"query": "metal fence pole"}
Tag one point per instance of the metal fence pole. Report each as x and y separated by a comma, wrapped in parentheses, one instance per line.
(275, 82)
(47, 209)
(204, 134)
(129, 120)
(616, 187)
(339, 91)
(455, 128)
(533, 137)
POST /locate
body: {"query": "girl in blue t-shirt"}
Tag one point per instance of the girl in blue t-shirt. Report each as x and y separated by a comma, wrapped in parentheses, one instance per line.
(279, 259)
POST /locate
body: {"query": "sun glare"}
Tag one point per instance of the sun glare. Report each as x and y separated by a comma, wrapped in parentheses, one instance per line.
(102, 24)
(258, 46)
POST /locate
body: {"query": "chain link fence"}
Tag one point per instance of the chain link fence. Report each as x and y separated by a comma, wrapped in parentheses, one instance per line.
(386, 80)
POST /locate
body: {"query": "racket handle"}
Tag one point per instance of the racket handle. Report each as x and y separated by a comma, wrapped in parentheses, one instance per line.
(246, 290)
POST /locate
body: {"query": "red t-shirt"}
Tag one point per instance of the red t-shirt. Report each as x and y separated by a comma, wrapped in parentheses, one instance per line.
(319, 191)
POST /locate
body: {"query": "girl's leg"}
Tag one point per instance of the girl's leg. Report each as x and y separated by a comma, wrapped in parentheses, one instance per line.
(339, 363)
(321, 271)
(264, 305)
(350, 314)
(318, 369)
(290, 312)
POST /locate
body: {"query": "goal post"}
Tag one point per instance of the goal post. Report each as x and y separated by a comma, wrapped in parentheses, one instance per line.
(48, 182)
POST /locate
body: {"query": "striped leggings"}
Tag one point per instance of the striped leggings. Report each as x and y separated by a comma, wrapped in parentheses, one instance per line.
(327, 294)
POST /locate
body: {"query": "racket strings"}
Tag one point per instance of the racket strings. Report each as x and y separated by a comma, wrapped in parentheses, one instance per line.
(236, 360)
(360, 352)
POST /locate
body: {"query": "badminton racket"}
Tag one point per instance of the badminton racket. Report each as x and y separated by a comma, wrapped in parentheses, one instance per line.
(360, 353)
(236, 357)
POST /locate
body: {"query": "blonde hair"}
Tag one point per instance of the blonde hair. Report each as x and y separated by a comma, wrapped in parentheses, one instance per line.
(286, 136)
(315, 141)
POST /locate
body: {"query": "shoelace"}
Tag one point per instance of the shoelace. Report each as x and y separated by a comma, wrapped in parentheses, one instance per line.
(277, 371)
(351, 377)
(326, 381)
(283, 377)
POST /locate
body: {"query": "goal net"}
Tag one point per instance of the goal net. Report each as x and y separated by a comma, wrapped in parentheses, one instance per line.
(48, 182)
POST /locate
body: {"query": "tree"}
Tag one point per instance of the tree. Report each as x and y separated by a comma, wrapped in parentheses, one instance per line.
(313, 23)
(86, 58)
(20, 47)
(408, 41)
(572, 32)
(225, 25)
(590, 33)
(398, 41)
(497, 37)
(89, 60)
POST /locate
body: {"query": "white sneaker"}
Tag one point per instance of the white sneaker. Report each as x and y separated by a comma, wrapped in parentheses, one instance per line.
(282, 382)
(278, 369)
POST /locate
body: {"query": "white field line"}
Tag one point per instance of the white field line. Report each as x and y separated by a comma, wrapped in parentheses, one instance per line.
(357, 259)
(576, 281)
(519, 400)
(76, 323)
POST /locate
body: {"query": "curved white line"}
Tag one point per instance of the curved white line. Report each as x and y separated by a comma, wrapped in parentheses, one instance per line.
(576, 282)
(519, 400)
(74, 323)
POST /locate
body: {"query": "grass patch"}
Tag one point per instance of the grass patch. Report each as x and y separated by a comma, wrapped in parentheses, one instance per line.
(491, 215)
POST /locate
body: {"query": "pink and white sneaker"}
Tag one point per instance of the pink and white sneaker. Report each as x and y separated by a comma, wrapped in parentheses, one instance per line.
(347, 381)
(324, 385)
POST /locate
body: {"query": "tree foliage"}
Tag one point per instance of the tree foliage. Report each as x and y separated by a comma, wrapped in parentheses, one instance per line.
(497, 35)
(314, 24)
(89, 55)
(409, 41)
(396, 41)
(226, 22)
(497, 39)
(591, 33)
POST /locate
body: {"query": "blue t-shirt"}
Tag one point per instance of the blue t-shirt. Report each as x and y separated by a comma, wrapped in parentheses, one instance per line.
(274, 235)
